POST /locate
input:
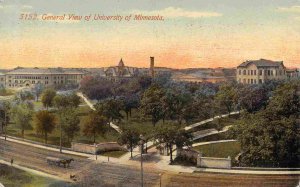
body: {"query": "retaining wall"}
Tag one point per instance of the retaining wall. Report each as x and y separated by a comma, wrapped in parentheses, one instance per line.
(98, 148)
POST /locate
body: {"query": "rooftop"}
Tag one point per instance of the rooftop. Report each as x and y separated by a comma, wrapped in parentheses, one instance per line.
(262, 63)
(36, 70)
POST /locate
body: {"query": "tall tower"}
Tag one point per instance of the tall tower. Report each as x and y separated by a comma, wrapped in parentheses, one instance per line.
(151, 70)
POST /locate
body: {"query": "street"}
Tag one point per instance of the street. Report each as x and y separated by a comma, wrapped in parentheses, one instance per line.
(91, 173)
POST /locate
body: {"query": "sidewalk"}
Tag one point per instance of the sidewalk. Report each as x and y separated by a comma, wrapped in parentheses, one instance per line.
(212, 142)
(247, 172)
(209, 120)
(207, 132)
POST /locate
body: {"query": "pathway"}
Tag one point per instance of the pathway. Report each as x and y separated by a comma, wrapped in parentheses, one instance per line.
(209, 120)
(200, 134)
(212, 142)
(90, 104)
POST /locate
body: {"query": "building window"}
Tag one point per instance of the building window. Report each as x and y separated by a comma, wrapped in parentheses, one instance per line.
(254, 71)
(244, 72)
(254, 81)
(240, 71)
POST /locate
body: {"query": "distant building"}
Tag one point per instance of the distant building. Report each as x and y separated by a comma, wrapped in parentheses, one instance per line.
(27, 77)
(121, 71)
(259, 71)
(292, 73)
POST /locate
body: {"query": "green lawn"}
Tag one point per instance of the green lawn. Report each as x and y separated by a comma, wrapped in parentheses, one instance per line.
(54, 139)
(220, 150)
(115, 154)
(10, 177)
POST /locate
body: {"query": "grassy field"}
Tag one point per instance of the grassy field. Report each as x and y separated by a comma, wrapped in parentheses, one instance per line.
(54, 139)
(10, 177)
(220, 150)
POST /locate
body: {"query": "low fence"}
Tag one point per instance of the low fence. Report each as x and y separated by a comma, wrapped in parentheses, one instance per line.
(97, 148)
(208, 162)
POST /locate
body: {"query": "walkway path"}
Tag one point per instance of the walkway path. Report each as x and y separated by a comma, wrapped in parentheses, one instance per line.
(90, 104)
(208, 120)
(212, 142)
(200, 134)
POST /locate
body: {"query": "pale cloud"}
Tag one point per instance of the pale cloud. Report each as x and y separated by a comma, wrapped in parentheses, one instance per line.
(174, 12)
(27, 7)
(1, 7)
(292, 9)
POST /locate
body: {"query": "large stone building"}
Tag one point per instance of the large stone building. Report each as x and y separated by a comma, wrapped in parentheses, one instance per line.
(26, 77)
(260, 71)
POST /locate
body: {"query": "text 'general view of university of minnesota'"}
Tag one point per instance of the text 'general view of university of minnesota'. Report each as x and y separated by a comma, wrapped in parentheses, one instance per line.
(208, 96)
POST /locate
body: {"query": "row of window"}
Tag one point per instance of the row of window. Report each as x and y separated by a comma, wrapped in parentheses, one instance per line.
(260, 72)
(40, 77)
(251, 81)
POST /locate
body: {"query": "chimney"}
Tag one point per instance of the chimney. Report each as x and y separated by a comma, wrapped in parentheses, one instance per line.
(151, 70)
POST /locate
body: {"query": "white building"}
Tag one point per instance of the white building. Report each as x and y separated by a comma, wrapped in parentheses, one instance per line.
(259, 71)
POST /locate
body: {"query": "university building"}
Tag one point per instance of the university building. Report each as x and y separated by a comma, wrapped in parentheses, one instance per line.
(260, 71)
(27, 77)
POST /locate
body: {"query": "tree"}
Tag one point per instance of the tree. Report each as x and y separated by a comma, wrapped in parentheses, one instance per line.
(70, 123)
(38, 90)
(95, 124)
(47, 97)
(130, 101)
(23, 96)
(45, 123)
(226, 96)
(270, 137)
(111, 109)
(171, 135)
(129, 137)
(5, 107)
(252, 97)
(151, 103)
(65, 101)
(96, 87)
(176, 102)
(22, 116)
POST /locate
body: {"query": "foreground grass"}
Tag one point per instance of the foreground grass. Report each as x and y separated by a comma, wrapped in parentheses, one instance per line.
(220, 150)
(10, 177)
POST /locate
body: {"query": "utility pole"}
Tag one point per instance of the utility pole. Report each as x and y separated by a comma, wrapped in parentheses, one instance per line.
(60, 140)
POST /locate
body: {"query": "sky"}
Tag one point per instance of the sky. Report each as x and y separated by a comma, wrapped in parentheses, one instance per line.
(193, 33)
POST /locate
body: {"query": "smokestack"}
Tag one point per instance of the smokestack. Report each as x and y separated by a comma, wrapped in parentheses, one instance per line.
(151, 72)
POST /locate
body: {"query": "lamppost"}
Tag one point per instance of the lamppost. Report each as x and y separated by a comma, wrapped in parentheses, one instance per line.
(142, 141)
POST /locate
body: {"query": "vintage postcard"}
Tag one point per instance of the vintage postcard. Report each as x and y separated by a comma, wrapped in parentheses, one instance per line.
(150, 93)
